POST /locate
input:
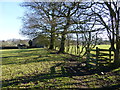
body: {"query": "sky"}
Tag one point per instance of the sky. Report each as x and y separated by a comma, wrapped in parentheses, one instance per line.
(10, 22)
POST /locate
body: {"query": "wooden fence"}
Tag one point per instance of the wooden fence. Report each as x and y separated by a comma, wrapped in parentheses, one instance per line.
(98, 57)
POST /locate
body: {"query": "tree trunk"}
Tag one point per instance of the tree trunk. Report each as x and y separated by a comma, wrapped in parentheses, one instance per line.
(52, 40)
(68, 44)
(116, 59)
(77, 43)
(52, 37)
(117, 51)
(62, 47)
(117, 55)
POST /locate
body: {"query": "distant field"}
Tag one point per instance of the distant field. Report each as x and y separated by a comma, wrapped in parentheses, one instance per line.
(42, 69)
(72, 49)
(103, 46)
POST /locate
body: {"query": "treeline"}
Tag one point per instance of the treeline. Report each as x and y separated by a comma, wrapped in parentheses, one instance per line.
(62, 22)
(13, 42)
(84, 22)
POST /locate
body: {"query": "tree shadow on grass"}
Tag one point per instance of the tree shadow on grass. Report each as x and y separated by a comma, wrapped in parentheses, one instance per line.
(35, 59)
(34, 78)
(27, 79)
(54, 74)
(31, 60)
(112, 87)
(10, 56)
(70, 70)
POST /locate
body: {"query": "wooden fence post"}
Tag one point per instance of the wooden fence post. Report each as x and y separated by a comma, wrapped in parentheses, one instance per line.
(88, 57)
(75, 50)
(97, 56)
(110, 54)
(71, 49)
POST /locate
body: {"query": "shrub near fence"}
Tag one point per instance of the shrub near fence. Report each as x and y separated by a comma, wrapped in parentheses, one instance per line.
(74, 50)
(99, 57)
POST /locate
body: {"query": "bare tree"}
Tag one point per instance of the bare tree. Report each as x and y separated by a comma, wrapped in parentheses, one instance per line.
(41, 19)
(108, 14)
(68, 11)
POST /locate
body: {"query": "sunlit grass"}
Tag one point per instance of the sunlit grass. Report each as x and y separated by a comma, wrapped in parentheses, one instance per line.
(18, 63)
(32, 68)
(73, 49)
(103, 46)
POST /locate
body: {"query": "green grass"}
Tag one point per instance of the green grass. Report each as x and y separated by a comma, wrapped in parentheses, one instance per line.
(23, 63)
(72, 51)
(40, 69)
(103, 46)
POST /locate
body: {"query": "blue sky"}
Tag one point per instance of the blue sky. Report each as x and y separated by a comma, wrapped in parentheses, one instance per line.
(10, 22)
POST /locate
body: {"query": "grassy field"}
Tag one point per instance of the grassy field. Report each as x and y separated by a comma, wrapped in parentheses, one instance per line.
(73, 51)
(44, 69)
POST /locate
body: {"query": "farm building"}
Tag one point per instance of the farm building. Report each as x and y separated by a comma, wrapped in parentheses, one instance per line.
(40, 41)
